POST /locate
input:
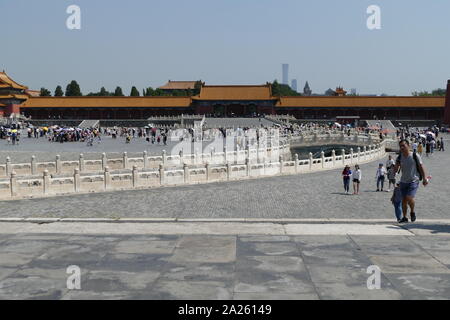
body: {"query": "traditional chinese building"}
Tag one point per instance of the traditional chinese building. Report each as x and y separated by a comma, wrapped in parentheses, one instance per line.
(12, 95)
(222, 100)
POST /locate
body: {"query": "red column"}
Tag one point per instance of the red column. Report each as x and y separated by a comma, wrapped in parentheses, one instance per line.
(447, 105)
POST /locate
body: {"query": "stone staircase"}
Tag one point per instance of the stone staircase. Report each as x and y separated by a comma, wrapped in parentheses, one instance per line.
(86, 124)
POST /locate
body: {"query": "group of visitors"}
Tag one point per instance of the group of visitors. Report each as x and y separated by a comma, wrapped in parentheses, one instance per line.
(409, 163)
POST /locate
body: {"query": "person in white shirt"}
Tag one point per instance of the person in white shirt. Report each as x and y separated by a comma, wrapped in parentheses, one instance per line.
(381, 173)
(356, 176)
(390, 162)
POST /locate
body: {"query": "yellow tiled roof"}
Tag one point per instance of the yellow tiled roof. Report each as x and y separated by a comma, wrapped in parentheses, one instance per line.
(178, 85)
(7, 82)
(241, 92)
(359, 101)
(107, 102)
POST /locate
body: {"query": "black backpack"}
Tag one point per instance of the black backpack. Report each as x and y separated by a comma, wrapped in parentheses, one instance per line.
(417, 163)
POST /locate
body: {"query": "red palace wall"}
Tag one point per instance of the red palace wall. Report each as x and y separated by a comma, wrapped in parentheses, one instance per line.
(447, 105)
(11, 108)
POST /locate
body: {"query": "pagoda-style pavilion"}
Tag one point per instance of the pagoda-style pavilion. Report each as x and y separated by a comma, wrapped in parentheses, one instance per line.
(12, 95)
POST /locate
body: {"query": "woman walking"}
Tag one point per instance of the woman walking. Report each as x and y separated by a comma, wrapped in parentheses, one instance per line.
(356, 179)
(346, 174)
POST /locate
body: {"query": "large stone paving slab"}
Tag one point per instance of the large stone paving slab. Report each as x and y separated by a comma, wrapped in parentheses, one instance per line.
(422, 286)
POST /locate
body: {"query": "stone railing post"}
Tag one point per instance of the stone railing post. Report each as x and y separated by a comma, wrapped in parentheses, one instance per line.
(247, 167)
(107, 178)
(181, 157)
(13, 184)
(81, 162)
(281, 164)
(228, 171)
(145, 158)
(46, 182)
(58, 164)
(125, 160)
(135, 176)
(343, 156)
(212, 155)
(104, 161)
(161, 174)
(333, 156)
(351, 155)
(359, 154)
(207, 167)
(164, 157)
(196, 157)
(76, 180)
(225, 154)
(186, 173)
(310, 161)
(33, 165)
(8, 166)
(364, 152)
(322, 157)
(296, 162)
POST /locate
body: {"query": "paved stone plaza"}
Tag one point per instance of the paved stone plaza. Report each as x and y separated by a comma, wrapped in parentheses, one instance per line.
(323, 252)
(113, 266)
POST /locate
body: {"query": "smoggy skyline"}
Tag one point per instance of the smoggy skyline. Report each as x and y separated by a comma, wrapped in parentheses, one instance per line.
(146, 43)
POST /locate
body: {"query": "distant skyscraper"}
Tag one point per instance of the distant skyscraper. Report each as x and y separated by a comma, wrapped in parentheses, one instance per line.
(285, 74)
(307, 90)
(294, 84)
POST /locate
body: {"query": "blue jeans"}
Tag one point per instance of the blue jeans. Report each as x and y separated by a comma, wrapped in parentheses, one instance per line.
(380, 180)
(398, 209)
(347, 184)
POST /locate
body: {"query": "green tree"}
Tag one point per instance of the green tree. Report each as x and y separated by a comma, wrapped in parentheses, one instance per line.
(197, 87)
(103, 92)
(134, 92)
(437, 92)
(45, 93)
(73, 89)
(59, 92)
(118, 92)
(149, 92)
(283, 90)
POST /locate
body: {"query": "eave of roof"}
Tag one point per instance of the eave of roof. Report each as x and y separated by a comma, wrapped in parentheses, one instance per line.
(5, 79)
(362, 102)
(107, 102)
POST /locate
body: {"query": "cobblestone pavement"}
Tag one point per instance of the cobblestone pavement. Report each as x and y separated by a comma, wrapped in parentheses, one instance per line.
(314, 195)
(34, 266)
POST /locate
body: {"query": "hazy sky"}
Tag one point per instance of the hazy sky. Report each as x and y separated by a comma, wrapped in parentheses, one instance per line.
(147, 42)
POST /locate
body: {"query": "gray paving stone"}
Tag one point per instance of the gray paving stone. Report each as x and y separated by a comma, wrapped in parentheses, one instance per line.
(11, 259)
(280, 274)
(132, 262)
(95, 295)
(146, 247)
(195, 290)
(107, 280)
(32, 287)
(420, 263)
(274, 296)
(5, 272)
(266, 248)
(343, 291)
(422, 286)
(223, 272)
